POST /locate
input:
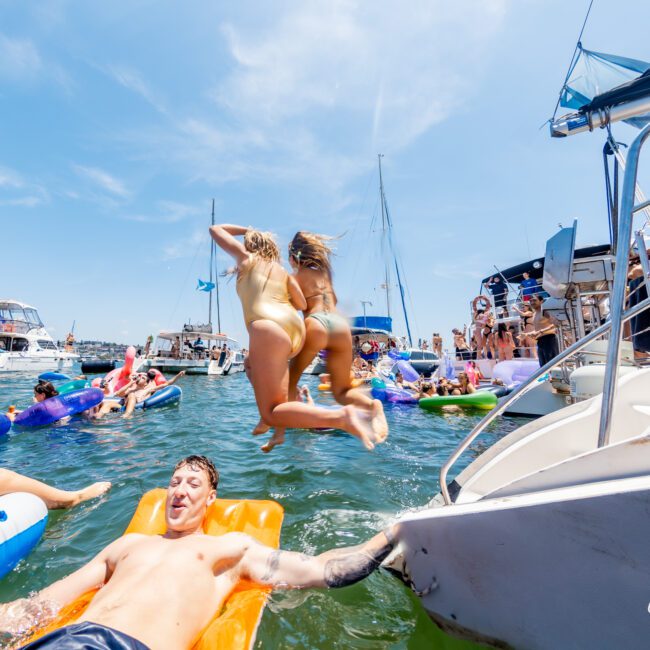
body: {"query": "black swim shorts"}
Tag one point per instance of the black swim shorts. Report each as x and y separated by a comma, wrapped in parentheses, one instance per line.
(86, 636)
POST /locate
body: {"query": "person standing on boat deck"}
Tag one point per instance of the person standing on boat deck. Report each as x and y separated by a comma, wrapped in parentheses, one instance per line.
(545, 332)
(528, 287)
(436, 343)
(499, 290)
(158, 592)
(460, 343)
(269, 298)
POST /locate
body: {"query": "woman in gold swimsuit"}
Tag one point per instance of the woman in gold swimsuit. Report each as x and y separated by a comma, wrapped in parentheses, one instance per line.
(270, 297)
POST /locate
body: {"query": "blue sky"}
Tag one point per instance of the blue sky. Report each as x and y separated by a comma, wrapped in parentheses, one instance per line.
(122, 120)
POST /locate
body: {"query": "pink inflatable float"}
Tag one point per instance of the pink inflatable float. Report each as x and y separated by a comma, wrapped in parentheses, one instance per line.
(119, 377)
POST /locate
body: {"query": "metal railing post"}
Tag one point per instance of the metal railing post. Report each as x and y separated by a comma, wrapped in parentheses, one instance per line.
(617, 299)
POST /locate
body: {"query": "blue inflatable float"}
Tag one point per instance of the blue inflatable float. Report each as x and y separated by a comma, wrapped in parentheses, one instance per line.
(53, 376)
(56, 408)
(393, 395)
(5, 424)
(22, 521)
(167, 395)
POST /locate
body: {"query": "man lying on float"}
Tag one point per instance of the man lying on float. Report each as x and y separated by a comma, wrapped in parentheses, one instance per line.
(160, 591)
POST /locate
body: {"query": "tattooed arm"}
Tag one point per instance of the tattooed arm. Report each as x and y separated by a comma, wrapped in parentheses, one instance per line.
(335, 568)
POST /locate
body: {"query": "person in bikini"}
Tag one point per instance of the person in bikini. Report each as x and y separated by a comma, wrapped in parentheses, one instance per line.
(158, 592)
(325, 329)
(270, 298)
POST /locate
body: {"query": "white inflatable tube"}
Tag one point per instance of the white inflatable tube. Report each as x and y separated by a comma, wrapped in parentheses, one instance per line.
(22, 522)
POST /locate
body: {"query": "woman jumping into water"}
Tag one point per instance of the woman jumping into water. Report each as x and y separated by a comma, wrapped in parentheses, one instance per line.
(269, 298)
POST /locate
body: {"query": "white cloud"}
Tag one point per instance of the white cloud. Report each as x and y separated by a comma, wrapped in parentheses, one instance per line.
(168, 212)
(10, 179)
(104, 180)
(19, 58)
(187, 247)
(132, 80)
(23, 201)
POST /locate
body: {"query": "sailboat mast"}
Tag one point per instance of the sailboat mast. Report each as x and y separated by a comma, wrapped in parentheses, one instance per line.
(212, 254)
(383, 229)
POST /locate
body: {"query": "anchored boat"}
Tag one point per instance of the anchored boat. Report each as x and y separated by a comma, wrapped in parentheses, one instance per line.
(25, 344)
(541, 541)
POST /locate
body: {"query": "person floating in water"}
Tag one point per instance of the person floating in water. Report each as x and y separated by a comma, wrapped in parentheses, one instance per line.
(160, 591)
(326, 329)
(42, 391)
(270, 298)
(53, 497)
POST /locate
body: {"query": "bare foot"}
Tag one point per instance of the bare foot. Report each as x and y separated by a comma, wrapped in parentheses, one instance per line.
(260, 428)
(92, 491)
(359, 427)
(276, 439)
(378, 421)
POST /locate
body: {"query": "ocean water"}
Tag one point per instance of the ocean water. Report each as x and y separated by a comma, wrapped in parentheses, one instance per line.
(333, 491)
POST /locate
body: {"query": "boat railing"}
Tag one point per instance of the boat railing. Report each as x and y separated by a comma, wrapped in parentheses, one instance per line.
(523, 388)
(614, 325)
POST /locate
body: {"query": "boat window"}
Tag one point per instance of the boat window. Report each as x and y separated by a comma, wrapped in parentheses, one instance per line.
(417, 356)
(46, 345)
(17, 313)
(18, 345)
(5, 342)
(32, 317)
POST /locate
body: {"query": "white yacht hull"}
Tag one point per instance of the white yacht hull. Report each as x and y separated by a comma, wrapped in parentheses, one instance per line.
(191, 366)
(17, 362)
(566, 568)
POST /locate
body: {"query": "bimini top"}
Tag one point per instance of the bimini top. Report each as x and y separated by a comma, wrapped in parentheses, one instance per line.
(9, 303)
(603, 88)
(185, 335)
(535, 268)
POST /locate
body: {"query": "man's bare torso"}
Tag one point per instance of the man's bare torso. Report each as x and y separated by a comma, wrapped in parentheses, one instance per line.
(164, 592)
(541, 321)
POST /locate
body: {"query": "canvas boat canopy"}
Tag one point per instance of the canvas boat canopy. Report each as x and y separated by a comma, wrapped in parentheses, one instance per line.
(597, 83)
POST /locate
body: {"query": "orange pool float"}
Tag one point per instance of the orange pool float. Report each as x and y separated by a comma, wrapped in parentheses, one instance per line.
(235, 626)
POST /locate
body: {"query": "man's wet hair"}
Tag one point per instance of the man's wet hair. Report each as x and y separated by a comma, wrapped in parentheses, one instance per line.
(196, 462)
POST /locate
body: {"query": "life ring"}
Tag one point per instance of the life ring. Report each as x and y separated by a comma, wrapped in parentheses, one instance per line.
(484, 299)
(9, 327)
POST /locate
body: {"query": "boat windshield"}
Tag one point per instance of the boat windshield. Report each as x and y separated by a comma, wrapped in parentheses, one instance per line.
(14, 318)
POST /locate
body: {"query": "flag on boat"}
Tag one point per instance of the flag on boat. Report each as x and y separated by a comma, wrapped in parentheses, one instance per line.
(595, 73)
(205, 286)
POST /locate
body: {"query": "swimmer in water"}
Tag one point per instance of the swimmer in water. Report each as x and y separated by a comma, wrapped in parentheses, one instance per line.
(42, 391)
(270, 298)
(54, 498)
(326, 329)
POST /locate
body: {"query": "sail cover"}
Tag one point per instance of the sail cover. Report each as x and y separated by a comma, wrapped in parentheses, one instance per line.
(596, 73)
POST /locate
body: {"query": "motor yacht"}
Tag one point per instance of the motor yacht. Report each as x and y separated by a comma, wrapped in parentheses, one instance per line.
(25, 344)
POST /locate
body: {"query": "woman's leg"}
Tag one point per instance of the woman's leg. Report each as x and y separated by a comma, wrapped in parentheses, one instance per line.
(54, 498)
(339, 364)
(270, 348)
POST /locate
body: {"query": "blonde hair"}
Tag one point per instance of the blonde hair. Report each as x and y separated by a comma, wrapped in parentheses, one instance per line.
(310, 250)
(262, 244)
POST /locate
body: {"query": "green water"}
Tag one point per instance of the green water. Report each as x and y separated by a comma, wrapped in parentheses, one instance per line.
(333, 491)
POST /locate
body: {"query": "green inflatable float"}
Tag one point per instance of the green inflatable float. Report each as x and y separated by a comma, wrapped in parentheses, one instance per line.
(481, 399)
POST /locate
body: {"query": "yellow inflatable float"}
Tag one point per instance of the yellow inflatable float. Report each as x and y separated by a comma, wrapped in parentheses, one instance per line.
(355, 383)
(235, 626)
